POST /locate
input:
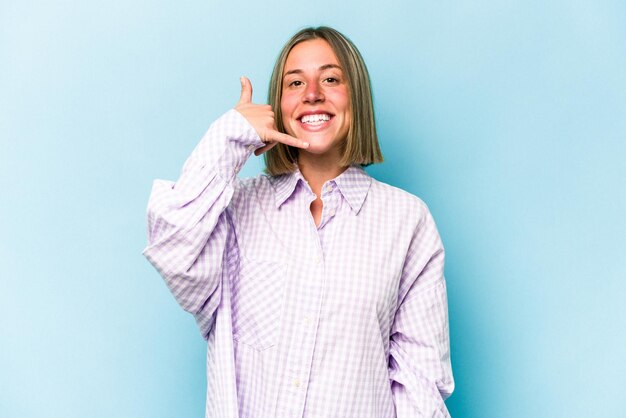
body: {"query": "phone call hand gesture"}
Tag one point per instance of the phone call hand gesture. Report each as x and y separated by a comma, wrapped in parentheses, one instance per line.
(261, 117)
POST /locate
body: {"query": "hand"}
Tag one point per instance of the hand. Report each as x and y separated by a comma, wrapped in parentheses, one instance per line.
(261, 117)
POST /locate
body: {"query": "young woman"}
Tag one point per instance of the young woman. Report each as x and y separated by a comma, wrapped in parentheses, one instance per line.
(320, 290)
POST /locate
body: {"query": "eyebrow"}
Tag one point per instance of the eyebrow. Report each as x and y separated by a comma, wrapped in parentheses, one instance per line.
(322, 68)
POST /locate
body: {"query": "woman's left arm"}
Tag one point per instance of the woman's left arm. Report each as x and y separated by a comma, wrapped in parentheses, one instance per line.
(419, 350)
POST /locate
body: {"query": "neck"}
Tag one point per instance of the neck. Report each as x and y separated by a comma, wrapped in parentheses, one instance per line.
(317, 170)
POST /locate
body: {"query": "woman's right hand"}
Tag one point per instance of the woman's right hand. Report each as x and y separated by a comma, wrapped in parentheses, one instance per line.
(261, 117)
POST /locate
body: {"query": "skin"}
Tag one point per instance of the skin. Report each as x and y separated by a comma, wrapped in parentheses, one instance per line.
(261, 117)
(313, 83)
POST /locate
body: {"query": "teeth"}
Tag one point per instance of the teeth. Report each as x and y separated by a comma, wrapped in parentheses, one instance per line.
(315, 119)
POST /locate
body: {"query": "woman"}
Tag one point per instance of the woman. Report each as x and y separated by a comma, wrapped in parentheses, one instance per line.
(320, 290)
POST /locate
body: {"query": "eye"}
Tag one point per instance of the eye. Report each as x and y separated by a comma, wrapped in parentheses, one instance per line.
(295, 83)
(331, 80)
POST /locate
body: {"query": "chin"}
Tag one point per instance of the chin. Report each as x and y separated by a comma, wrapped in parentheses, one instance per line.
(318, 146)
(316, 150)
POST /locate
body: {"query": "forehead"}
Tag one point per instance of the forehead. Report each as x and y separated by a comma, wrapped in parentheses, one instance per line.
(310, 55)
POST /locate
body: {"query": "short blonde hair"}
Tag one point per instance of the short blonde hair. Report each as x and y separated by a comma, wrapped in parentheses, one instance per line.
(361, 146)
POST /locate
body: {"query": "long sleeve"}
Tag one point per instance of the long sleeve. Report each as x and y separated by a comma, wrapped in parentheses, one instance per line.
(190, 239)
(419, 353)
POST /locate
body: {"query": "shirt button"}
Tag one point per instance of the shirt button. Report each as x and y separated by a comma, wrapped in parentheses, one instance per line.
(331, 213)
(318, 259)
(296, 382)
(250, 147)
(307, 320)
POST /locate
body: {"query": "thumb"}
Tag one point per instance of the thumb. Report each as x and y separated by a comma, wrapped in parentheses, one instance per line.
(246, 91)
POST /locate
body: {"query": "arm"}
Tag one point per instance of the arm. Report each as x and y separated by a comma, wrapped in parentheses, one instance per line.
(419, 350)
(190, 233)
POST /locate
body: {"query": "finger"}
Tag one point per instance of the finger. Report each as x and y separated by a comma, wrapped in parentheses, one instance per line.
(286, 139)
(264, 148)
(246, 90)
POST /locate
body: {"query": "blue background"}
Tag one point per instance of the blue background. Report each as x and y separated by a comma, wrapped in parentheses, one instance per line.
(507, 118)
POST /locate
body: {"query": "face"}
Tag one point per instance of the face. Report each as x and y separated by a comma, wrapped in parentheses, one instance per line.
(315, 102)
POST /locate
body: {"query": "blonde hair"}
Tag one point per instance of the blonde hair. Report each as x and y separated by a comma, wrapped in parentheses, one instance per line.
(361, 146)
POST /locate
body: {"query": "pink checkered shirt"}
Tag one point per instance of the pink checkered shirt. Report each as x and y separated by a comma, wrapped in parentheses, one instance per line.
(345, 319)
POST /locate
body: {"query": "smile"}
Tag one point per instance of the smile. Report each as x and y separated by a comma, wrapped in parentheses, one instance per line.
(315, 119)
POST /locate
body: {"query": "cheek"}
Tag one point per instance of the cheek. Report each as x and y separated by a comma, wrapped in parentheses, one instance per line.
(287, 108)
(285, 116)
(341, 99)
(286, 125)
(286, 105)
(348, 109)
(345, 106)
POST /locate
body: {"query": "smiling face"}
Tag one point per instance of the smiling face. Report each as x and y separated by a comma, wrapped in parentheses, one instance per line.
(315, 102)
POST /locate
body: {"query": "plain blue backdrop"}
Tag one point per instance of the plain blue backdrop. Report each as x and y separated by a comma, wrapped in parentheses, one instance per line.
(507, 117)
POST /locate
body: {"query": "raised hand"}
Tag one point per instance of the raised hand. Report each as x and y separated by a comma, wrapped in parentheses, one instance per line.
(261, 117)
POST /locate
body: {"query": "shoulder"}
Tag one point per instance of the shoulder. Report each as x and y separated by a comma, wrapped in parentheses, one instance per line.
(414, 224)
(401, 202)
(256, 182)
(259, 186)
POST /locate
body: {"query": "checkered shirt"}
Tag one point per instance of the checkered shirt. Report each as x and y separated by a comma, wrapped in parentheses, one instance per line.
(344, 319)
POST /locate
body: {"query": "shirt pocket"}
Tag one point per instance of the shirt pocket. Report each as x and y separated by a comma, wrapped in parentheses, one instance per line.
(257, 301)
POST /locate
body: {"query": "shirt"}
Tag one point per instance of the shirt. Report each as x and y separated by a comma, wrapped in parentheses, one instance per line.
(345, 319)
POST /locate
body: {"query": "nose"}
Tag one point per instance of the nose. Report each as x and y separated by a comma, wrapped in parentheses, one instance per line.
(313, 94)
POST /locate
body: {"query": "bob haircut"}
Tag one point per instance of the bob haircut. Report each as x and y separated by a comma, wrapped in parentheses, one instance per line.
(361, 146)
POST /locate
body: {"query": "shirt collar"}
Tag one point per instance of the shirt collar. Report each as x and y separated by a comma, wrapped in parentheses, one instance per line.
(285, 185)
(353, 184)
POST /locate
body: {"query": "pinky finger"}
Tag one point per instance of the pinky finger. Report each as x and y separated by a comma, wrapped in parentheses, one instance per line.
(264, 148)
